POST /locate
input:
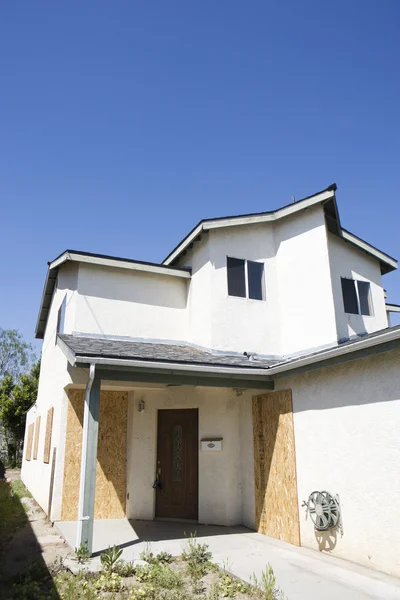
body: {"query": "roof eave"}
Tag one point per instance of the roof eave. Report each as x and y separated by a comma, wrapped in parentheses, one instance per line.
(290, 209)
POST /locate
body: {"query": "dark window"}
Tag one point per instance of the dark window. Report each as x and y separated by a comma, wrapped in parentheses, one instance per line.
(236, 277)
(349, 296)
(255, 278)
(364, 296)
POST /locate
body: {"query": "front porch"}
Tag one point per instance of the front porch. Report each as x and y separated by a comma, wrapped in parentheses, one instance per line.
(303, 574)
(140, 423)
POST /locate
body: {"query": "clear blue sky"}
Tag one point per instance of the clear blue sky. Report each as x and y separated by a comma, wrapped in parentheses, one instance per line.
(123, 123)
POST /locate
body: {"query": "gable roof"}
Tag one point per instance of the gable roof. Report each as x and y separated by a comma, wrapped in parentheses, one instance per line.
(325, 197)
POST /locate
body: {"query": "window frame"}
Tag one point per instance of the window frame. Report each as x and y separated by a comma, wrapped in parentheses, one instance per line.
(246, 279)
(357, 295)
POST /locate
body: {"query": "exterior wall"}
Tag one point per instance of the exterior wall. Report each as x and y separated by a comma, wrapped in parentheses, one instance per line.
(306, 317)
(125, 303)
(348, 261)
(298, 314)
(200, 293)
(242, 324)
(220, 473)
(54, 376)
(347, 421)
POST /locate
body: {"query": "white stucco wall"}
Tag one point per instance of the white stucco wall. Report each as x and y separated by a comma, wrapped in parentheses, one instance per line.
(347, 423)
(200, 293)
(348, 261)
(54, 376)
(130, 303)
(306, 318)
(243, 324)
(298, 312)
(220, 473)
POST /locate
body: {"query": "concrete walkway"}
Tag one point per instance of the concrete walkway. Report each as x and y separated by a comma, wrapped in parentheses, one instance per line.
(301, 573)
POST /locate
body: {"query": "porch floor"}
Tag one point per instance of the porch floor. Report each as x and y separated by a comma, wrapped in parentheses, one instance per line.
(302, 574)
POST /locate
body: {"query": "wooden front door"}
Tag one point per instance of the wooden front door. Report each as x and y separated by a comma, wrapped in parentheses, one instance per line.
(178, 464)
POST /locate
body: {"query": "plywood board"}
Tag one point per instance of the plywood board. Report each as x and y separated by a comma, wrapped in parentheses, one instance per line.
(36, 444)
(111, 456)
(28, 451)
(275, 467)
(47, 439)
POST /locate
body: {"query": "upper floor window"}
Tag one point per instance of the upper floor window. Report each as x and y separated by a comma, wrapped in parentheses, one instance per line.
(357, 297)
(245, 278)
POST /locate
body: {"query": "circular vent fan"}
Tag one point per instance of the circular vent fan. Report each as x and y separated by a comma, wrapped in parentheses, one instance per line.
(324, 510)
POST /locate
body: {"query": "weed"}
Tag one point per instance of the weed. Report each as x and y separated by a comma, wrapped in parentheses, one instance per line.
(82, 554)
(213, 593)
(266, 587)
(163, 558)
(110, 557)
(124, 569)
(228, 586)
(197, 558)
(109, 582)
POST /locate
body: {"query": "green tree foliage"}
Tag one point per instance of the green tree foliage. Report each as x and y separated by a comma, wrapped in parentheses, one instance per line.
(15, 400)
(16, 355)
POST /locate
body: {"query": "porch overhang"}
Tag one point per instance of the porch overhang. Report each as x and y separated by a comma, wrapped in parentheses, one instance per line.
(169, 372)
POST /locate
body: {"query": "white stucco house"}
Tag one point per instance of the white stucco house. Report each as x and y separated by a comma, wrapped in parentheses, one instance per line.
(252, 367)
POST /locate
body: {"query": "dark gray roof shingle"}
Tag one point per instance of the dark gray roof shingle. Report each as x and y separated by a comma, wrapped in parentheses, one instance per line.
(152, 351)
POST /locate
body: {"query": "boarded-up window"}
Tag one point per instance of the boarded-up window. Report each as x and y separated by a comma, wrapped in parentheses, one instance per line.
(36, 444)
(28, 450)
(47, 439)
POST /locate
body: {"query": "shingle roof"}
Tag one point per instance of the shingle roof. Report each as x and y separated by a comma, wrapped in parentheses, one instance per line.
(151, 351)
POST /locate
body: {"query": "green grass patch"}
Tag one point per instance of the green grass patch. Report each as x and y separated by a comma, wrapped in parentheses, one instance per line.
(12, 513)
(19, 489)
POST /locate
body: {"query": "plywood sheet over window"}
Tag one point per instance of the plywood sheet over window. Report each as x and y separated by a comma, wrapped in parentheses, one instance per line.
(111, 456)
(47, 439)
(275, 467)
(36, 444)
(29, 440)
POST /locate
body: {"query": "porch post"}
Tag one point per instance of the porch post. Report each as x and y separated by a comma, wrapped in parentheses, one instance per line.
(88, 463)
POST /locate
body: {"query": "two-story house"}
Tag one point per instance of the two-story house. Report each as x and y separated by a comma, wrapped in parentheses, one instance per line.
(251, 368)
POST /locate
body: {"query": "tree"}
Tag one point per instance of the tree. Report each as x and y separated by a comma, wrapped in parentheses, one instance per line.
(15, 401)
(16, 355)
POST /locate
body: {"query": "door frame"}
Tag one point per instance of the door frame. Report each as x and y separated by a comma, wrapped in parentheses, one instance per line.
(192, 408)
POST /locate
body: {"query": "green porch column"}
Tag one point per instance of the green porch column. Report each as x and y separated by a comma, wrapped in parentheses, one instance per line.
(88, 463)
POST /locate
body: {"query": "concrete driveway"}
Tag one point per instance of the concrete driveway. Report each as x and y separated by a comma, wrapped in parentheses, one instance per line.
(301, 573)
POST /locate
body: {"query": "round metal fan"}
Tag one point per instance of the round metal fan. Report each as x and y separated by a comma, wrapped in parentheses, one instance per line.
(324, 510)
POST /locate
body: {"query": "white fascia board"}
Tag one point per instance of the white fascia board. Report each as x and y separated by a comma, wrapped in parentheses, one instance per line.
(349, 237)
(249, 220)
(392, 307)
(119, 264)
(337, 351)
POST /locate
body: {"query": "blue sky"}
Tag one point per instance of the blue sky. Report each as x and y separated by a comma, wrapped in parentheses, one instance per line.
(123, 123)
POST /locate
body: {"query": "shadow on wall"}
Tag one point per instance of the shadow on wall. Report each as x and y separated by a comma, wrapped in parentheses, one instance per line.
(110, 496)
(370, 380)
(21, 564)
(326, 540)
